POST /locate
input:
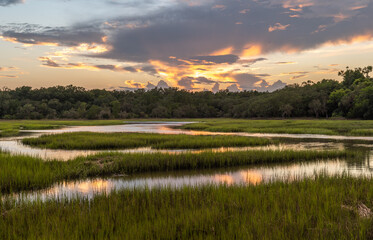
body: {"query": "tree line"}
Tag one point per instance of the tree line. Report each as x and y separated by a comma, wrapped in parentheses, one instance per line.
(351, 98)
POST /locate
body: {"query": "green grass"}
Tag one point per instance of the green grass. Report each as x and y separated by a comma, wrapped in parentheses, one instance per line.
(327, 127)
(12, 127)
(19, 173)
(9, 132)
(308, 209)
(99, 141)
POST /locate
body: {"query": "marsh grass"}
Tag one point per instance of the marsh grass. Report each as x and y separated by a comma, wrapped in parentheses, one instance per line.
(11, 127)
(305, 209)
(326, 127)
(9, 132)
(97, 141)
(19, 173)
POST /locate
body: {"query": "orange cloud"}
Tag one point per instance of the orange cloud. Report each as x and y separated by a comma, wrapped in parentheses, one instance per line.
(352, 39)
(134, 84)
(251, 50)
(278, 27)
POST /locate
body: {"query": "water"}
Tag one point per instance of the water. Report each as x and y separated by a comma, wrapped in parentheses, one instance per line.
(14, 145)
(244, 176)
(257, 174)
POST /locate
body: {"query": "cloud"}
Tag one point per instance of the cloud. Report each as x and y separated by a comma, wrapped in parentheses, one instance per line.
(33, 34)
(216, 88)
(293, 73)
(8, 76)
(206, 60)
(276, 86)
(252, 61)
(187, 83)
(150, 86)
(196, 30)
(162, 84)
(298, 76)
(249, 82)
(204, 80)
(130, 69)
(134, 84)
(246, 81)
(278, 27)
(196, 38)
(187, 31)
(285, 63)
(7, 69)
(49, 62)
(233, 88)
(4, 3)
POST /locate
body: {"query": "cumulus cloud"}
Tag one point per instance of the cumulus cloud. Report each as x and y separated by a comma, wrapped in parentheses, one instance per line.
(275, 86)
(216, 88)
(150, 86)
(233, 88)
(187, 83)
(162, 84)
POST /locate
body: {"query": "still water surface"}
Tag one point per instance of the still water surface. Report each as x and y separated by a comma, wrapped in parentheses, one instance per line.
(255, 174)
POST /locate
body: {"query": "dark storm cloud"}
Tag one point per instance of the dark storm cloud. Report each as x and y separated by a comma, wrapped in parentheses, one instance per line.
(196, 31)
(200, 30)
(4, 3)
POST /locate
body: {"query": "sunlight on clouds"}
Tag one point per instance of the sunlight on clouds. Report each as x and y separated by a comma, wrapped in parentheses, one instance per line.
(251, 50)
(278, 27)
(224, 51)
(134, 84)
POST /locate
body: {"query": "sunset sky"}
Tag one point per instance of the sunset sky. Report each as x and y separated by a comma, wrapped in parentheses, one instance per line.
(190, 44)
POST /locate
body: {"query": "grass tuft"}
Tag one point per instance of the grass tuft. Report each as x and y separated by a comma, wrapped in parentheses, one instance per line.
(19, 173)
(100, 141)
(324, 208)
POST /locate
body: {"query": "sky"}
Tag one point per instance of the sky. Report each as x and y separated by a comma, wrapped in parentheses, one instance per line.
(195, 45)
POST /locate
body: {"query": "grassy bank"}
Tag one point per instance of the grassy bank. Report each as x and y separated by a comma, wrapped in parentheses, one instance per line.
(327, 127)
(326, 208)
(12, 127)
(21, 173)
(98, 141)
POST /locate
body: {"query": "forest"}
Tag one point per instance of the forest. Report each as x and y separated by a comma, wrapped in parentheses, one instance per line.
(350, 98)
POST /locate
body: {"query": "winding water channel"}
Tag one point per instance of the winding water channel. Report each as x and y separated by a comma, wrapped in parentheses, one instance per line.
(255, 174)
